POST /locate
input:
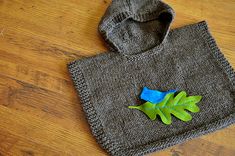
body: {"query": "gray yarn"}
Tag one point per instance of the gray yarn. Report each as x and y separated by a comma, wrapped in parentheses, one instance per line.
(143, 52)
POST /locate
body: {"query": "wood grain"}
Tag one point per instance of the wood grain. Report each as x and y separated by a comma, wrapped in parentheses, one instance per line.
(40, 113)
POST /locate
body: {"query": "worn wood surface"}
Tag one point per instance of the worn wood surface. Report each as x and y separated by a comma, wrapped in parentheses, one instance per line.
(40, 113)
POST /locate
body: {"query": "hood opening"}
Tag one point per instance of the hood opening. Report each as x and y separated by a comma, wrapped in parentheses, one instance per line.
(134, 26)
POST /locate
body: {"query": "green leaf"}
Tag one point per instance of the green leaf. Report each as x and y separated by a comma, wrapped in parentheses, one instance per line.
(147, 108)
(176, 106)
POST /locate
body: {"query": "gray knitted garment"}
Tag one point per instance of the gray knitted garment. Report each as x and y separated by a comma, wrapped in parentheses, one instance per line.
(143, 52)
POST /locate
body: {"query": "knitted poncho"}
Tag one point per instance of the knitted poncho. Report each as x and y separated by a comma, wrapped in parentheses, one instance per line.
(144, 53)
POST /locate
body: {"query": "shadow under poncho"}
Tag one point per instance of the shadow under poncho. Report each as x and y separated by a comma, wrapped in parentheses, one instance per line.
(143, 52)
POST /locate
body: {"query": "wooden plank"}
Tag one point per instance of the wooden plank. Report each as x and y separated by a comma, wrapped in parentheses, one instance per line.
(197, 147)
(14, 145)
(42, 103)
(40, 113)
(47, 133)
(69, 23)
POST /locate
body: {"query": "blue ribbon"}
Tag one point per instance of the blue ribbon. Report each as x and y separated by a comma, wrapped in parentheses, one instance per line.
(154, 96)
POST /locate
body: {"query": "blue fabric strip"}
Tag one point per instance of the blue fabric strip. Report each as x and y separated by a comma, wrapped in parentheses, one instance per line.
(154, 96)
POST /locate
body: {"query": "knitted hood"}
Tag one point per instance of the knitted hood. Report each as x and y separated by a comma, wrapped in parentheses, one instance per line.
(134, 26)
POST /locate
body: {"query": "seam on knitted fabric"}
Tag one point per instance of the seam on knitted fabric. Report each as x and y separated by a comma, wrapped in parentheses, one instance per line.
(96, 127)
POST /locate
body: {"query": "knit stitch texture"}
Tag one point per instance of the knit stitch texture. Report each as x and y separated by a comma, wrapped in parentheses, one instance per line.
(143, 52)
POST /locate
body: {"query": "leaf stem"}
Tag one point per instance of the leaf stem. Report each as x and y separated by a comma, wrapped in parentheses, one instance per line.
(133, 107)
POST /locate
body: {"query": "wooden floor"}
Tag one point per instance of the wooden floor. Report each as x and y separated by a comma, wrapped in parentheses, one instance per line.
(40, 113)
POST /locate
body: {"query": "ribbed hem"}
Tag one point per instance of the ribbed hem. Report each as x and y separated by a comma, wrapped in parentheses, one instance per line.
(114, 148)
